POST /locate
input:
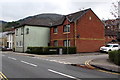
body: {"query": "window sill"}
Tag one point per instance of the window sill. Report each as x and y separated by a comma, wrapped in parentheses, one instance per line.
(66, 33)
(55, 33)
(19, 46)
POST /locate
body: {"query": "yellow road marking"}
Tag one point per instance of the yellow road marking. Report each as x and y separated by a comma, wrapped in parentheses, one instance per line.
(2, 76)
(108, 72)
(87, 63)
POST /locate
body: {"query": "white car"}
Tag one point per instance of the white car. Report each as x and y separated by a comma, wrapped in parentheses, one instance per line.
(110, 47)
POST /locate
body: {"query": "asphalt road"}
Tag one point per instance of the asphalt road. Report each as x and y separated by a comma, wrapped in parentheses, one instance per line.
(25, 67)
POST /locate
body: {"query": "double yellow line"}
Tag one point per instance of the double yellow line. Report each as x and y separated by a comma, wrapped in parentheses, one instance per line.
(87, 63)
(2, 76)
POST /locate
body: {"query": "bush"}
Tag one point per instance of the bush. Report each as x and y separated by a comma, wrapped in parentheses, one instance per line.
(114, 56)
(51, 50)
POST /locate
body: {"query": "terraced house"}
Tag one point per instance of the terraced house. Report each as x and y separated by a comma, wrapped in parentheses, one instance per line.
(82, 29)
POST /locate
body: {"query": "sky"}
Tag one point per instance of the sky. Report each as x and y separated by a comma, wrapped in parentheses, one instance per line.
(13, 10)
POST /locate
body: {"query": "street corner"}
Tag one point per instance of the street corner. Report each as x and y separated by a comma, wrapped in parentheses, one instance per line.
(86, 65)
(93, 64)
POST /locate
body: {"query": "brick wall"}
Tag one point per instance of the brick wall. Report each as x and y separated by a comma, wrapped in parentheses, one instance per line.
(87, 33)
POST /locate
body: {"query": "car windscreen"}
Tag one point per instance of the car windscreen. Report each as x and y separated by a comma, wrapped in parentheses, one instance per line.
(108, 46)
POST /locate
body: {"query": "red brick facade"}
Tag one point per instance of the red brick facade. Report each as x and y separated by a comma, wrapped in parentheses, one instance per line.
(109, 39)
(86, 33)
(111, 30)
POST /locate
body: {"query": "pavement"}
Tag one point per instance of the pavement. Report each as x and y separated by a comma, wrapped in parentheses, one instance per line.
(105, 64)
(91, 60)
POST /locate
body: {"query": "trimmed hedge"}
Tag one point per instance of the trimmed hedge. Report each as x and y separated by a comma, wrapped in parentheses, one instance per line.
(114, 56)
(51, 50)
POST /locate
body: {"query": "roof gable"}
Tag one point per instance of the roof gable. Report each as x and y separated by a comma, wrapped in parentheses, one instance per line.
(75, 16)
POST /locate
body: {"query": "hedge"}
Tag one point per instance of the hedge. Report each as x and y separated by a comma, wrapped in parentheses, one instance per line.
(114, 56)
(51, 50)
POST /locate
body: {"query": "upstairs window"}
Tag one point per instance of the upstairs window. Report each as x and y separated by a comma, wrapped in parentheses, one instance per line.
(27, 30)
(16, 32)
(66, 28)
(22, 31)
(55, 29)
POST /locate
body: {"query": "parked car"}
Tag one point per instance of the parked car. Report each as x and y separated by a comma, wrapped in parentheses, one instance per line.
(5, 49)
(110, 47)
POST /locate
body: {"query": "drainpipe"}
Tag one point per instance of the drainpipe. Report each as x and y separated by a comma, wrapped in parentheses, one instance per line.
(75, 32)
(23, 39)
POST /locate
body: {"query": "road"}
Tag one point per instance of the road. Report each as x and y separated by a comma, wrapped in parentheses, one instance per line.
(25, 67)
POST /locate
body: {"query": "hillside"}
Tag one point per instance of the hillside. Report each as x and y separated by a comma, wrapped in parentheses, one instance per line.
(2, 25)
(41, 19)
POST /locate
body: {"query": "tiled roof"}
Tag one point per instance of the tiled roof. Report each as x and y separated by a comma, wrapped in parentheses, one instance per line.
(74, 16)
(49, 20)
(43, 20)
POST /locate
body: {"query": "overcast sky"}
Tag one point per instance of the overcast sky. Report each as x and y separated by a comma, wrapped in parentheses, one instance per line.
(12, 10)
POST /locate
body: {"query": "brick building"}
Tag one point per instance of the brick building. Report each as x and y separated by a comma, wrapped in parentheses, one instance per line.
(82, 29)
(112, 27)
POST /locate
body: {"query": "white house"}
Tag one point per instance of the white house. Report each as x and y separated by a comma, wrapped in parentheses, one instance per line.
(10, 39)
(35, 31)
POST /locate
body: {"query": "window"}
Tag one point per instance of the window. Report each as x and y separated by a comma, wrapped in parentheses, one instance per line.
(66, 43)
(27, 30)
(55, 43)
(115, 46)
(90, 18)
(22, 31)
(66, 28)
(16, 32)
(20, 44)
(55, 29)
(17, 44)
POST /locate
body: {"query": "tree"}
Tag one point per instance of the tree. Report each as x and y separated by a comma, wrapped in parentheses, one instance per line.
(115, 11)
(12, 24)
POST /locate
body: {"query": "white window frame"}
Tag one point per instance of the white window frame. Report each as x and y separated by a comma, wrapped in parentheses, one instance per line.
(16, 32)
(66, 28)
(20, 44)
(22, 30)
(27, 30)
(66, 43)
